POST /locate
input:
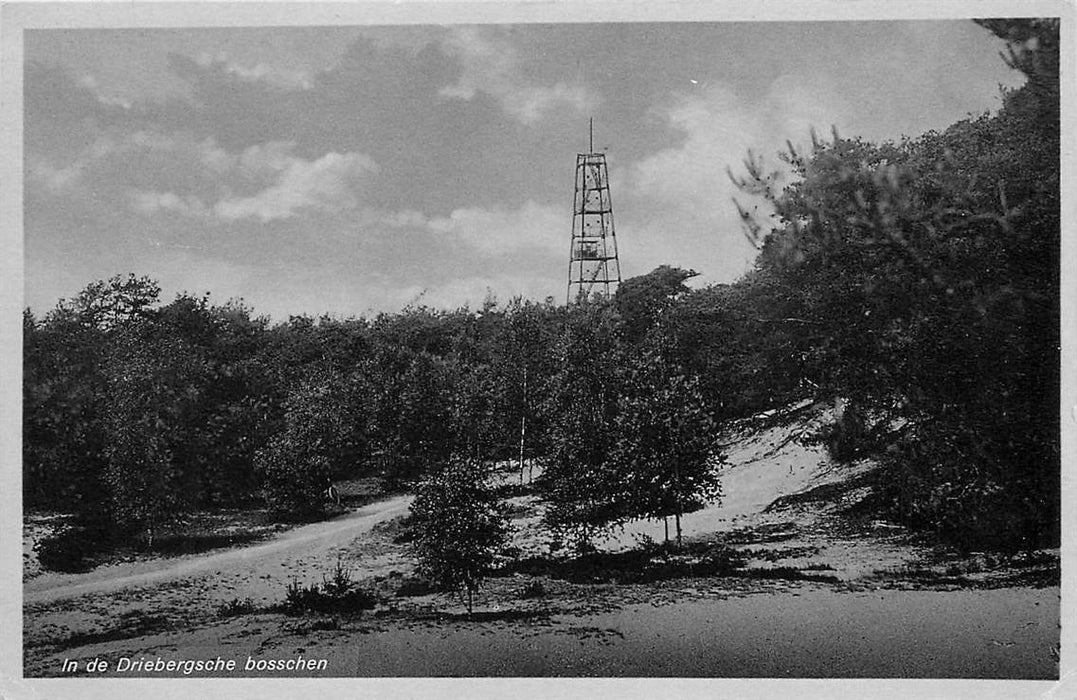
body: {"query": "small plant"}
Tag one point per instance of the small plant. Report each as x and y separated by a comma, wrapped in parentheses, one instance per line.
(415, 586)
(68, 550)
(724, 560)
(328, 623)
(533, 589)
(341, 582)
(299, 598)
(335, 595)
(646, 543)
(236, 607)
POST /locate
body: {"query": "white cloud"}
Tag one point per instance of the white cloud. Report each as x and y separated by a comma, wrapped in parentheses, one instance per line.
(491, 65)
(89, 82)
(150, 141)
(269, 157)
(57, 179)
(288, 183)
(407, 218)
(683, 210)
(498, 230)
(488, 64)
(325, 184)
(720, 129)
(149, 202)
(180, 147)
(180, 152)
(215, 158)
(275, 76)
(53, 178)
(530, 104)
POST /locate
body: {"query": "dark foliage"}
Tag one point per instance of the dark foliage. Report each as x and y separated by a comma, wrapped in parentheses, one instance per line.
(336, 594)
(415, 586)
(641, 565)
(923, 279)
(236, 608)
(70, 550)
(460, 526)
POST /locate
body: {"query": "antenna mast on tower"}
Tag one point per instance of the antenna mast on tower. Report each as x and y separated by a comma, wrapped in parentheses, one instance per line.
(592, 258)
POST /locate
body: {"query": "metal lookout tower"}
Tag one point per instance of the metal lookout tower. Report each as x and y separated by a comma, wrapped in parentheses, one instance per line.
(592, 260)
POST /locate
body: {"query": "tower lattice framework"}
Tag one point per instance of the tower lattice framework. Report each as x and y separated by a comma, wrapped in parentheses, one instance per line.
(593, 264)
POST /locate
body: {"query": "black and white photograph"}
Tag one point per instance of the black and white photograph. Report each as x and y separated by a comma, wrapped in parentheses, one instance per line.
(538, 341)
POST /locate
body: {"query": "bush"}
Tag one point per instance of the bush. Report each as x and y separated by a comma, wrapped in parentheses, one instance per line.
(313, 598)
(413, 586)
(69, 550)
(236, 607)
(972, 491)
(459, 526)
(533, 589)
(845, 438)
(337, 594)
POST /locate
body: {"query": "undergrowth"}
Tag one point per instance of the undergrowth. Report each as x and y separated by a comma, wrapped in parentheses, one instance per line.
(336, 594)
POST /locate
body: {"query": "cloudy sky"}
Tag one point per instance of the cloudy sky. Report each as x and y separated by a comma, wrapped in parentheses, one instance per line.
(356, 169)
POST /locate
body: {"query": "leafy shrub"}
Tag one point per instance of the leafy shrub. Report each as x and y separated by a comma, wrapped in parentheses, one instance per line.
(236, 607)
(966, 488)
(300, 599)
(846, 436)
(533, 589)
(341, 582)
(459, 526)
(415, 586)
(69, 550)
(337, 594)
(723, 560)
(330, 623)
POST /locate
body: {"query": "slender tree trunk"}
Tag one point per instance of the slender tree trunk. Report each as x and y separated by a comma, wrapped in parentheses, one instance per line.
(665, 522)
(523, 427)
(523, 432)
(677, 495)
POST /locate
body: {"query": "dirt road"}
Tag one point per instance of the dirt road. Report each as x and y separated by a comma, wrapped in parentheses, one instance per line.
(303, 553)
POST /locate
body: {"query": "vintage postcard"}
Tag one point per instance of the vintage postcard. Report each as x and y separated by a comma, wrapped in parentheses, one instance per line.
(553, 348)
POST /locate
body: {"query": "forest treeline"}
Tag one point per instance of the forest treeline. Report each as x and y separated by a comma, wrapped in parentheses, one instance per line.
(916, 282)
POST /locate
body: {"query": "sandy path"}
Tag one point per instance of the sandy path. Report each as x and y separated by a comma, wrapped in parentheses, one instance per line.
(261, 562)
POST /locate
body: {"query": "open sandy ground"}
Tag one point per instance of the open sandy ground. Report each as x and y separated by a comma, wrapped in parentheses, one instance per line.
(852, 602)
(788, 631)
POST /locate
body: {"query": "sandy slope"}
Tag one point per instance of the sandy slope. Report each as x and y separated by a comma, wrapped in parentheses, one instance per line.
(761, 465)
